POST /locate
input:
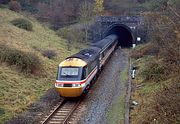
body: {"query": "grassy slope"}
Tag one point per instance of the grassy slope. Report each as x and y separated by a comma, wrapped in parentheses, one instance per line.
(146, 93)
(158, 103)
(17, 90)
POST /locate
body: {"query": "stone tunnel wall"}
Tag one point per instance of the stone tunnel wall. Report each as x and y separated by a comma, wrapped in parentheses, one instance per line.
(102, 24)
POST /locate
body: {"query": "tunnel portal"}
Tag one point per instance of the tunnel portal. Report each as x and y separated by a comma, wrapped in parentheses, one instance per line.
(129, 29)
(124, 33)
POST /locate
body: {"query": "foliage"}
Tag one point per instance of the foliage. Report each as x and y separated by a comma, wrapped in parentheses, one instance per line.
(119, 7)
(167, 105)
(23, 23)
(28, 6)
(86, 15)
(85, 11)
(26, 62)
(99, 6)
(59, 13)
(155, 71)
(49, 54)
(146, 49)
(4, 1)
(72, 35)
(15, 6)
(161, 104)
(3, 6)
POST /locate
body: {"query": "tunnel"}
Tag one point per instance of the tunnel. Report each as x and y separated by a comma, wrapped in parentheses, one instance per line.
(124, 33)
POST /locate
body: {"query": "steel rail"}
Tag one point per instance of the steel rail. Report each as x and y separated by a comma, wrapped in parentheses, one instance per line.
(64, 103)
(54, 111)
(71, 112)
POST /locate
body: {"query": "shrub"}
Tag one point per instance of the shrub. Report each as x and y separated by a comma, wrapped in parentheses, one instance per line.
(23, 23)
(166, 106)
(25, 62)
(156, 71)
(15, 6)
(2, 111)
(3, 6)
(4, 1)
(72, 35)
(49, 54)
(148, 49)
(29, 6)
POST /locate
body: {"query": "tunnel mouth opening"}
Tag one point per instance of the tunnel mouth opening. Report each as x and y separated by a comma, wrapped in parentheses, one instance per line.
(124, 33)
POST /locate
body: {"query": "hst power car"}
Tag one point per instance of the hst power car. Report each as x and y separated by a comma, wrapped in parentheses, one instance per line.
(77, 72)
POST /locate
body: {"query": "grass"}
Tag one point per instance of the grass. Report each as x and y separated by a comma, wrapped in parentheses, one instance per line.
(117, 110)
(148, 94)
(19, 90)
(143, 96)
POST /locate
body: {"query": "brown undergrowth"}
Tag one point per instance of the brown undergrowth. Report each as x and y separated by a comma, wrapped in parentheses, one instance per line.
(156, 89)
(156, 86)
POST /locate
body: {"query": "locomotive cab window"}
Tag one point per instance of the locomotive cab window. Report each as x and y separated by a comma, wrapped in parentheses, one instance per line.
(68, 73)
(84, 73)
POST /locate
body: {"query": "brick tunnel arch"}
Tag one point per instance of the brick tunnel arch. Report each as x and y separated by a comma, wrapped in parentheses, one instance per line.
(125, 35)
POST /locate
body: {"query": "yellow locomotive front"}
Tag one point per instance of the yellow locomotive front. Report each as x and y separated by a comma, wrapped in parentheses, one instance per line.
(70, 81)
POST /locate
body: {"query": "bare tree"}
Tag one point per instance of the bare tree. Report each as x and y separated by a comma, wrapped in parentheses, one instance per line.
(86, 13)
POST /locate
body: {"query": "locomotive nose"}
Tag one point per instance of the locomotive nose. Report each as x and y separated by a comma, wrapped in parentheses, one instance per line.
(70, 92)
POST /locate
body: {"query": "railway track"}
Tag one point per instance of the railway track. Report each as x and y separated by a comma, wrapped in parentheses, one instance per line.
(62, 112)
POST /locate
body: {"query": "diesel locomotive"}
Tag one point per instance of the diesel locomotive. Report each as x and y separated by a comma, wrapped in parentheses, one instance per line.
(77, 72)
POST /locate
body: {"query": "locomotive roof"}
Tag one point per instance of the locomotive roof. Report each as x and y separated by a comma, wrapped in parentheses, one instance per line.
(88, 55)
(104, 42)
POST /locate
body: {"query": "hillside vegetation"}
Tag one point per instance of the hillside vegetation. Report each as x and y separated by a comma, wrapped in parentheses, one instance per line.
(56, 13)
(156, 87)
(20, 51)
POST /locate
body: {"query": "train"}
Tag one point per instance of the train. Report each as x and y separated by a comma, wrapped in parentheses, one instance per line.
(77, 73)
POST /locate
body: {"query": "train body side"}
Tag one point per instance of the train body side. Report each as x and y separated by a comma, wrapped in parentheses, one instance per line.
(107, 45)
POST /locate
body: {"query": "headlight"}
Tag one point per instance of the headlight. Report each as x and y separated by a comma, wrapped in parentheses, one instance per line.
(76, 85)
(59, 85)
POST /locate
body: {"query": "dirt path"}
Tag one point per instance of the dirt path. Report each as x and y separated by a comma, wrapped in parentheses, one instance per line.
(106, 90)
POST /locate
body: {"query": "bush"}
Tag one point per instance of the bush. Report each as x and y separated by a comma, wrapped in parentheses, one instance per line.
(29, 6)
(148, 49)
(156, 71)
(23, 23)
(4, 1)
(25, 62)
(3, 6)
(166, 106)
(15, 6)
(49, 54)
